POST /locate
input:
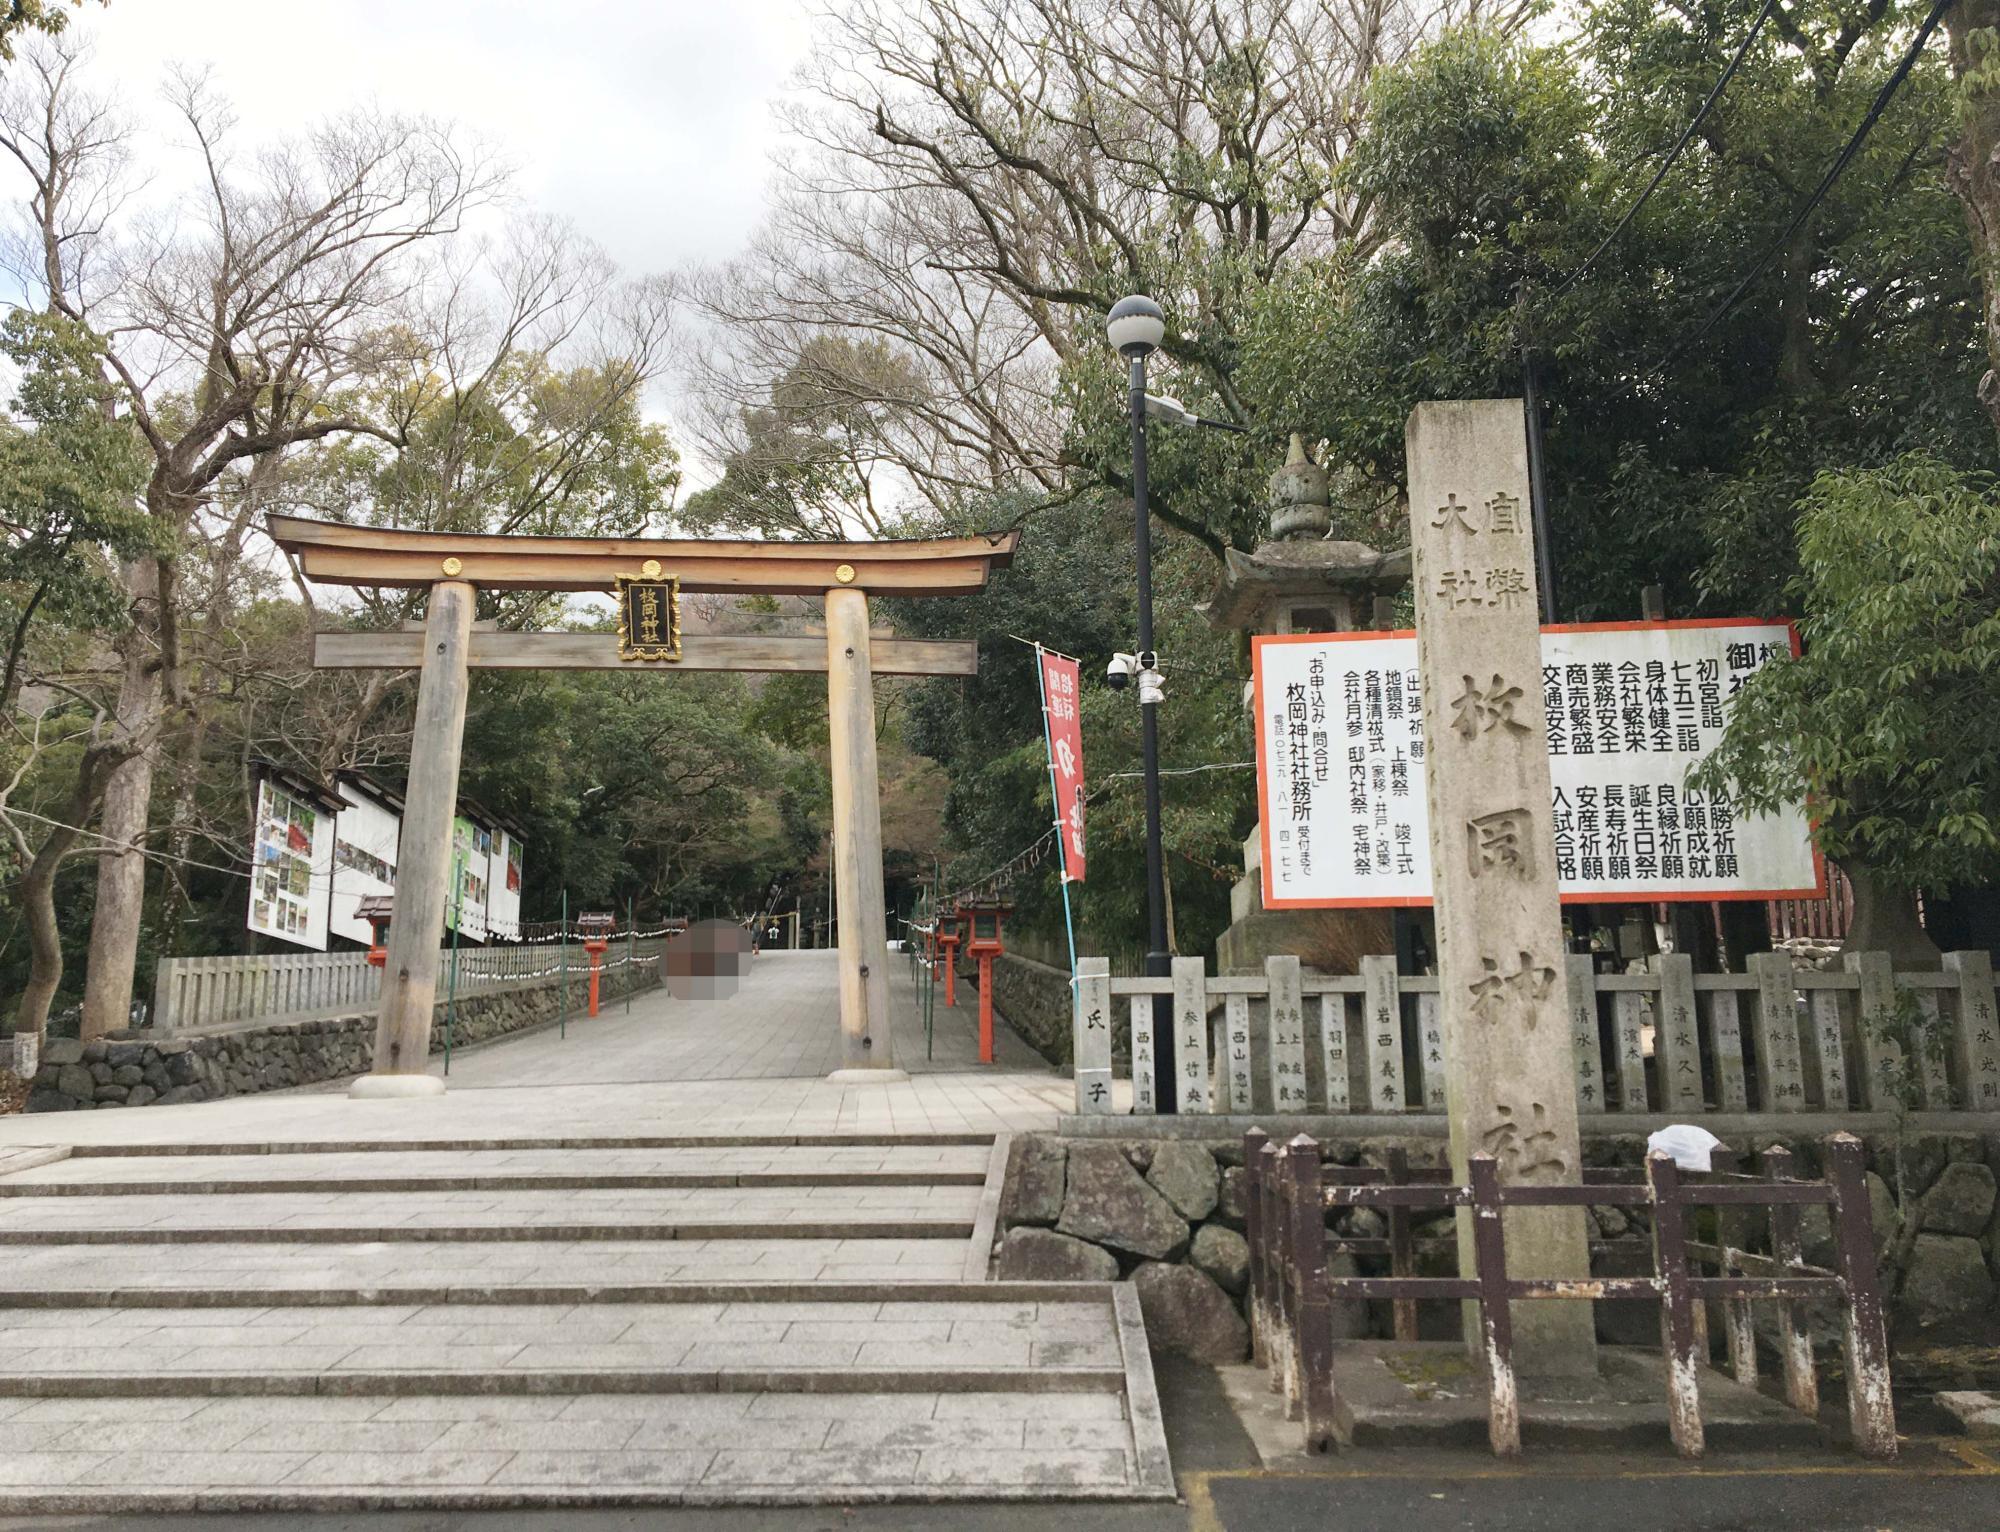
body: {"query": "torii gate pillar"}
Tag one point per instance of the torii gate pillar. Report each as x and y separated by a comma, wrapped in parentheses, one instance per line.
(867, 1052)
(423, 870)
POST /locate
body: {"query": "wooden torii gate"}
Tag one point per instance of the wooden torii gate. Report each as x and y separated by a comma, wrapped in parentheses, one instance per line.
(454, 566)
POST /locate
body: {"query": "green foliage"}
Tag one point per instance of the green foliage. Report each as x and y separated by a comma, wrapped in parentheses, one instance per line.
(528, 448)
(801, 468)
(1071, 586)
(1495, 168)
(70, 475)
(651, 787)
(19, 16)
(1888, 715)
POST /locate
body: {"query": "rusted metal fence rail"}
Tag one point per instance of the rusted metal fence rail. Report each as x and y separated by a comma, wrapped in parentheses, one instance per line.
(1291, 1292)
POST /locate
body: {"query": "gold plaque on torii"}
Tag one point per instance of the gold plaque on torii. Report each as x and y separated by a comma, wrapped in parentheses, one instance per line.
(649, 617)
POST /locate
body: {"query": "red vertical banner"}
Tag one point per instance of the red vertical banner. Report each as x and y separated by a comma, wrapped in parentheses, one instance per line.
(1060, 692)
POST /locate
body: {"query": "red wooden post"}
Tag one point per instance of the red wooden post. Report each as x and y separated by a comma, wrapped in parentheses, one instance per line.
(1496, 1323)
(1871, 1409)
(1312, 1313)
(948, 940)
(1794, 1337)
(1254, 1235)
(985, 1007)
(1676, 1304)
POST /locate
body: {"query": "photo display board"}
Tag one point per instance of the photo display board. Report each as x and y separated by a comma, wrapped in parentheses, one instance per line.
(291, 867)
(472, 862)
(503, 888)
(365, 839)
(1632, 708)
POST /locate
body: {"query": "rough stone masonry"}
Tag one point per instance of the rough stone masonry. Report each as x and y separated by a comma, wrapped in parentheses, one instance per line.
(1509, 1076)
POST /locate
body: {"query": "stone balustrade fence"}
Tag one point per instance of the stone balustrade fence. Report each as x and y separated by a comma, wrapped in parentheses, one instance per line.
(194, 994)
(1777, 1039)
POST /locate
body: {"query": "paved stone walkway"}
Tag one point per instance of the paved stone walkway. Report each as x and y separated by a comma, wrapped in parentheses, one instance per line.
(647, 1076)
(601, 1270)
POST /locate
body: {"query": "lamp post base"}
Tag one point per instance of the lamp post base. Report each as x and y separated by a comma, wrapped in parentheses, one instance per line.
(867, 1077)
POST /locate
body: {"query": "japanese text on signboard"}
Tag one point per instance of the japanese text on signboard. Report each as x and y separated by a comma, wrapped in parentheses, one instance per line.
(1631, 709)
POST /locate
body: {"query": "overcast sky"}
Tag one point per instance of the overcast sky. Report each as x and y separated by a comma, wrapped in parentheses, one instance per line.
(647, 122)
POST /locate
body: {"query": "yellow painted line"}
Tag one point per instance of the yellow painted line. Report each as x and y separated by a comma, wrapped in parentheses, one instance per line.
(1976, 1459)
(1202, 1515)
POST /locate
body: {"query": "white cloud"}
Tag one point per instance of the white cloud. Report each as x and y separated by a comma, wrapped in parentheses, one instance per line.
(649, 123)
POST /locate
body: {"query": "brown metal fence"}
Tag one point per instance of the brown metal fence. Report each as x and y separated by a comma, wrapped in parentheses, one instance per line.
(1291, 1191)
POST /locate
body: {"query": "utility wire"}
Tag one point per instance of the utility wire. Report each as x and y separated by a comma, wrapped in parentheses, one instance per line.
(1674, 153)
(1833, 174)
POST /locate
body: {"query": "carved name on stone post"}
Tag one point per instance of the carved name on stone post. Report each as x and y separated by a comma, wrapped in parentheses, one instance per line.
(1510, 1088)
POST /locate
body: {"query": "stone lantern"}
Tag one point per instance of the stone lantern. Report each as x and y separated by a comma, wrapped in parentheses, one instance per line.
(596, 929)
(1300, 580)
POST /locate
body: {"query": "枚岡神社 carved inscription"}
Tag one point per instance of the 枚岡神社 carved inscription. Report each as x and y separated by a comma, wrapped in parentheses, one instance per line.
(1509, 1072)
(1500, 841)
(649, 617)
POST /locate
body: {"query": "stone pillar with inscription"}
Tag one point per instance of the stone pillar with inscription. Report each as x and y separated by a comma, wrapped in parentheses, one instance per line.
(1510, 1090)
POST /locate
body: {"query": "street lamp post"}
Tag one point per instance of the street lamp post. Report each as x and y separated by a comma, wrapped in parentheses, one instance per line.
(1136, 326)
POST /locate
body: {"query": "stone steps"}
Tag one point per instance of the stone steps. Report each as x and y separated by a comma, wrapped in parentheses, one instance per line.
(71, 1265)
(528, 1324)
(503, 1170)
(471, 1452)
(706, 1143)
(372, 1213)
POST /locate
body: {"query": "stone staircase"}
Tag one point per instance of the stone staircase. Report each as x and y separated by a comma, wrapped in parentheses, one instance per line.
(516, 1323)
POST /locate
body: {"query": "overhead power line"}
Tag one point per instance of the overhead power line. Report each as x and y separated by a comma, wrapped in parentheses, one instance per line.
(1833, 174)
(1674, 153)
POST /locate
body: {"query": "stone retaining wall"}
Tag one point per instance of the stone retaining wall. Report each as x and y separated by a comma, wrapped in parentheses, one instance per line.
(140, 1069)
(1167, 1215)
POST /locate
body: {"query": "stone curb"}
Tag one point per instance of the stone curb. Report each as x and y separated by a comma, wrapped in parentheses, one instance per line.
(590, 1380)
(157, 1502)
(1142, 1396)
(986, 1222)
(666, 1292)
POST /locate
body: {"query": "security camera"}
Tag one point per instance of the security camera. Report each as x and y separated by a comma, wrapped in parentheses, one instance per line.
(1118, 674)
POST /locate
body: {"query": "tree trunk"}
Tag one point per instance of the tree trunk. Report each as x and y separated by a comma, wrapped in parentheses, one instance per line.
(1885, 920)
(128, 799)
(45, 961)
(1972, 167)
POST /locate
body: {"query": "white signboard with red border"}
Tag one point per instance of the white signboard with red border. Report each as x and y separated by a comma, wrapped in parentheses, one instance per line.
(1631, 708)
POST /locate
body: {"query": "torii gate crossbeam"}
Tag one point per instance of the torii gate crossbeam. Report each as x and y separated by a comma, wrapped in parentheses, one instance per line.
(455, 565)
